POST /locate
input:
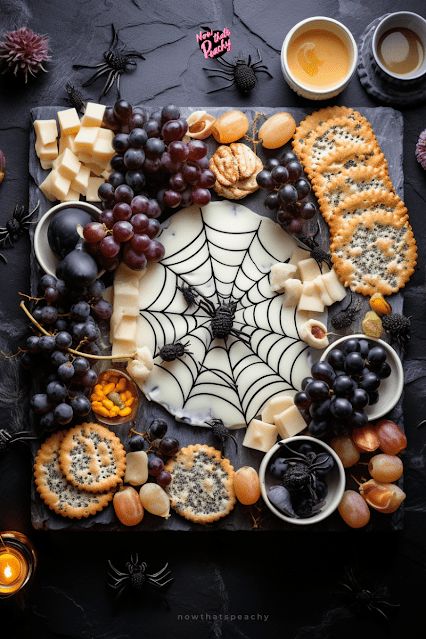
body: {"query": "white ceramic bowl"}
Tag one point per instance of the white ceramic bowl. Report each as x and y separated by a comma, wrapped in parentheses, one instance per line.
(336, 481)
(339, 29)
(406, 20)
(45, 256)
(390, 389)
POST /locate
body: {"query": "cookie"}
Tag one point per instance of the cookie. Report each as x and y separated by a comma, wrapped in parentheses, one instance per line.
(375, 253)
(250, 184)
(244, 186)
(363, 205)
(349, 182)
(246, 159)
(224, 165)
(202, 488)
(58, 494)
(92, 458)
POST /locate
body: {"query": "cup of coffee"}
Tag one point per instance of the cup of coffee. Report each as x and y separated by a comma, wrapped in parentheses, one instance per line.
(318, 58)
(399, 46)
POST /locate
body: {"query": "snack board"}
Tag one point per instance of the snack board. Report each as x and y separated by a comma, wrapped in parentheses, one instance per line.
(387, 125)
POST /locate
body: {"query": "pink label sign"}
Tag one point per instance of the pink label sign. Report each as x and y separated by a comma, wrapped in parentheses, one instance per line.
(214, 43)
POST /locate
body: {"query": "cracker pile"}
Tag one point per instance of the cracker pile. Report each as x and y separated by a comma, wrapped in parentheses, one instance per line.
(76, 471)
(235, 168)
(372, 243)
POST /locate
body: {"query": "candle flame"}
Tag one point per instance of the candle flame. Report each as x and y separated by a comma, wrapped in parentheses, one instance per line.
(8, 571)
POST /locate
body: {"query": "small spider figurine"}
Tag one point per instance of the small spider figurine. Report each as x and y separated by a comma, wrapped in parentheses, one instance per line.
(74, 97)
(242, 73)
(15, 227)
(7, 439)
(315, 251)
(221, 433)
(371, 600)
(136, 577)
(303, 467)
(345, 317)
(189, 294)
(117, 60)
(170, 352)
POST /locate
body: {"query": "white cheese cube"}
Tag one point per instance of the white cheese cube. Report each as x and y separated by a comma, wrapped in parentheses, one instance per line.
(95, 169)
(46, 131)
(140, 367)
(46, 164)
(290, 422)
(85, 139)
(123, 347)
(102, 148)
(298, 255)
(93, 114)
(334, 288)
(281, 272)
(322, 290)
(126, 329)
(69, 122)
(309, 269)
(293, 291)
(46, 187)
(81, 180)
(46, 152)
(260, 435)
(310, 299)
(72, 196)
(85, 157)
(67, 142)
(68, 164)
(92, 189)
(59, 185)
(274, 406)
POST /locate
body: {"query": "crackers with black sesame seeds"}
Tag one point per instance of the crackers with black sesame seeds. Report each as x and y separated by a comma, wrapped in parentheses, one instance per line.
(202, 486)
(57, 493)
(92, 458)
(364, 205)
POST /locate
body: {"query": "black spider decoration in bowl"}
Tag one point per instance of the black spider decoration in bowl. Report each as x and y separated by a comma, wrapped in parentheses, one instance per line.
(242, 73)
(15, 227)
(7, 439)
(136, 576)
(221, 433)
(117, 60)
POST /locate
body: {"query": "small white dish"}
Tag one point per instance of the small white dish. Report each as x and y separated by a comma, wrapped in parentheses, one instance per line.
(403, 20)
(335, 27)
(390, 389)
(336, 481)
(45, 256)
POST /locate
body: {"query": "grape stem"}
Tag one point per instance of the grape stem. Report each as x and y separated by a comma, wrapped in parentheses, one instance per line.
(73, 350)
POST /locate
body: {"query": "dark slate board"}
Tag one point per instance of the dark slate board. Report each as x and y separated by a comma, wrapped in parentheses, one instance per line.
(388, 126)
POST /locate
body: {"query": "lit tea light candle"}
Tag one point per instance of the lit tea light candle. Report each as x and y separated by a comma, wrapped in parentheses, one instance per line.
(17, 562)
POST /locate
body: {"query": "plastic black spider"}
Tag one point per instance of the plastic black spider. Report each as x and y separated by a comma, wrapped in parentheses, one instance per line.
(117, 60)
(15, 227)
(7, 439)
(170, 352)
(371, 600)
(303, 467)
(136, 576)
(75, 97)
(221, 433)
(242, 73)
(345, 317)
(315, 251)
(222, 324)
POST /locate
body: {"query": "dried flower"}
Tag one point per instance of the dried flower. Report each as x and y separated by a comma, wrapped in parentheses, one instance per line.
(372, 325)
(23, 52)
(380, 305)
(399, 329)
(2, 166)
(421, 150)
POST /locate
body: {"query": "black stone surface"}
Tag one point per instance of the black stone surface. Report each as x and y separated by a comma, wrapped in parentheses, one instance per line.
(293, 577)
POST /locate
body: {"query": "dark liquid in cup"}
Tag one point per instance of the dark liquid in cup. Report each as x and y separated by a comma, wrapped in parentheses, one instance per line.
(400, 51)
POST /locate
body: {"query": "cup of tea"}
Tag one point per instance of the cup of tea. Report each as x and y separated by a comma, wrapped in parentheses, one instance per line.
(399, 46)
(318, 57)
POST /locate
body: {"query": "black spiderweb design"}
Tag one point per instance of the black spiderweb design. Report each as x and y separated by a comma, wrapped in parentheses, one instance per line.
(225, 254)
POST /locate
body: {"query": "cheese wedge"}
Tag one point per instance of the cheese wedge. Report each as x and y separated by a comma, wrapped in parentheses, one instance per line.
(93, 114)
(322, 290)
(275, 406)
(260, 435)
(46, 131)
(308, 269)
(59, 185)
(102, 148)
(72, 196)
(46, 187)
(293, 290)
(85, 139)
(69, 122)
(92, 189)
(290, 422)
(310, 300)
(67, 142)
(46, 152)
(334, 288)
(68, 164)
(81, 180)
(281, 272)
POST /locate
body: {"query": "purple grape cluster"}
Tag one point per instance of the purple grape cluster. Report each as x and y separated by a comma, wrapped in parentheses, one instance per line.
(288, 191)
(159, 447)
(72, 319)
(333, 399)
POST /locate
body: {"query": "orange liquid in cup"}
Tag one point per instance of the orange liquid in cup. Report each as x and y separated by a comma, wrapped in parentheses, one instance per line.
(318, 58)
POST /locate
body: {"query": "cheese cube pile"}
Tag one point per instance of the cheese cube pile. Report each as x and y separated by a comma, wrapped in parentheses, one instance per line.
(123, 324)
(79, 159)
